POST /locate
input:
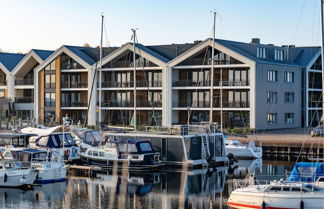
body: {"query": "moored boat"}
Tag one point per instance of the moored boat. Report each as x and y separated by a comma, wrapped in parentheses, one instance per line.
(135, 153)
(14, 174)
(241, 150)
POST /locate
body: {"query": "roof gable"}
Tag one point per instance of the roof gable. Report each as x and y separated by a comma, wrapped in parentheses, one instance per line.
(10, 60)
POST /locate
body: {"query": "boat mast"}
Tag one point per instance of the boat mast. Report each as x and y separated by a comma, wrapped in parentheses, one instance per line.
(134, 80)
(322, 55)
(100, 72)
(212, 72)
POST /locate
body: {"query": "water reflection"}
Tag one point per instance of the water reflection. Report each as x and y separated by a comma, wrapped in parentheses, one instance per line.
(197, 189)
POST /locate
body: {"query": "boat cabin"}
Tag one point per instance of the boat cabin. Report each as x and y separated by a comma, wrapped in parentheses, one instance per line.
(195, 146)
(88, 136)
(55, 140)
(15, 139)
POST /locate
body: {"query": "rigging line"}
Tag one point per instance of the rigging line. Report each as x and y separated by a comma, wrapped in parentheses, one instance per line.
(147, 84)
(299, 20)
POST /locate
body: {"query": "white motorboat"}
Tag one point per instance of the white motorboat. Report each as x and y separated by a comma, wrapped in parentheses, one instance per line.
(13, 174)
(51, 169)
(241, 150)
(277, 195)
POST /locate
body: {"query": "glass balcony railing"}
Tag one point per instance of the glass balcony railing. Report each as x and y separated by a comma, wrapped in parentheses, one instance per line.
(74, 85)
(188, 103)
(231, 83)
(238, 104)
(149, 103)
(116, 84)
(24, 82)
(74, 104)
(117, 104)
(184, 83)
(24, 100)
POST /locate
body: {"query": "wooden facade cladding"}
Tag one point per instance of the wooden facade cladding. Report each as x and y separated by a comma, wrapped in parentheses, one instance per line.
(58, 89)
(41, 96)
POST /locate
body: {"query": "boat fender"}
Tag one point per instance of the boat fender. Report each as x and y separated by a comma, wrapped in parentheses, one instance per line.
(5, 178)
(301, 204)
(264, 205)
(67, 152)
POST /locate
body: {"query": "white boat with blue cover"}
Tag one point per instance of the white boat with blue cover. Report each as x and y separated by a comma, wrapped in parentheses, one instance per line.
(50, 168)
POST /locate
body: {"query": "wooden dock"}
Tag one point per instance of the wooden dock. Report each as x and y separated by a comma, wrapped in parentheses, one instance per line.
(287, 142)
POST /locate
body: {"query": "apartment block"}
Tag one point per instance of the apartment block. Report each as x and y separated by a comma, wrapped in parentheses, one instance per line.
(254, 85)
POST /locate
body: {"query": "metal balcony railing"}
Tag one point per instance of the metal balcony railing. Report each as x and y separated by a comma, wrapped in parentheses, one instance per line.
(24, 100)
(24, 82)
(74, 85)
(183, 83)
(128, 64)
(242, 104)
(231, 83)
(143, 83)
(116, 84)
(74, 104)
(188, 103)
(117, 104)
(149, 103)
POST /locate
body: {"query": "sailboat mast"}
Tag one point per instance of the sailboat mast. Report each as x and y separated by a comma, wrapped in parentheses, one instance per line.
(100, 72)
(322, 53)
(212, 72)
(134, 79)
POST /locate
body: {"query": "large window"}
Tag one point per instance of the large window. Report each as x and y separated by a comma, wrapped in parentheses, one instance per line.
(272, 118)
(279, 54)
(272, 75)
(238, 77)
(289, 97)
(49, 81)
(289, 77)
(261, 52)
(49, 99)
(69, 63)
(289, 118)
(272, 97)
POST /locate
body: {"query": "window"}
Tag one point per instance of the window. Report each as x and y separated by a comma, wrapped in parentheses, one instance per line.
(289, 97)
(272, 118)
(279, 54)
(272, 97)
(272, 75)
(145, 147)
(261, 52)
(289, 77)
(49, 99)
(289, 118)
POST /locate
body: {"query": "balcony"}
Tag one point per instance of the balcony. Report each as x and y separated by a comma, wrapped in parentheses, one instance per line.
(231, 83)
(24, 82)
(116, 84)
(117, 104)
(149, 103)
(241, 104)
(74, 104)
(144, 83)
(194, 104)
(205, 61)
(74, 85)
(24, 100)
(186, 83)
(128, 64)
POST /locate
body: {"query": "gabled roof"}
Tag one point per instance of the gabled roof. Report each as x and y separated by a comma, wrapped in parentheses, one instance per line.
(43, 54)
(88, 54)
(10, 60)
(153, 53)
(307, 55)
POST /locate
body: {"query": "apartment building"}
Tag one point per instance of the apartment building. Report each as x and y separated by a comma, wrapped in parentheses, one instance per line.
(254, 85)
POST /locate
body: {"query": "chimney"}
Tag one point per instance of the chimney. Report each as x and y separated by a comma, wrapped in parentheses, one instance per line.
(255, 41)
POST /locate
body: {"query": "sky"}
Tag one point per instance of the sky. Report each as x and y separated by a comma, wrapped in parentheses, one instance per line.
(49, 24)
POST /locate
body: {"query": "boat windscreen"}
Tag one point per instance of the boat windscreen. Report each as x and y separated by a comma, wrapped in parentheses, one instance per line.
(145, 147)
(92, 138)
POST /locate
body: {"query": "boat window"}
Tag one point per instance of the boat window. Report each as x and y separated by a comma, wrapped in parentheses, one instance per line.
(89, 152)
(145, 147)
(297, 189)
(92, 137)
(101, 154)
(132, 148)
(3, 142)
(95, 153)
(275, 189)
(127, 148)
(286, 189)
(122, 147)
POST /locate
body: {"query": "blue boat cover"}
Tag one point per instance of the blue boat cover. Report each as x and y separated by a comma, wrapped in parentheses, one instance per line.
(306, 172)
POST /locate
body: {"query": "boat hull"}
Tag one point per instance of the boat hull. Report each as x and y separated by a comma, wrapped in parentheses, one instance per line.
(17, 178)
(243, 152)
(51, 172)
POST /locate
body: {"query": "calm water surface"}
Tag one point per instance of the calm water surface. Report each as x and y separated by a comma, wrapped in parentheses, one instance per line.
(197, 189)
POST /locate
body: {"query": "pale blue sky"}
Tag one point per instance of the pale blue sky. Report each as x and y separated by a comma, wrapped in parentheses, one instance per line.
(48, 24)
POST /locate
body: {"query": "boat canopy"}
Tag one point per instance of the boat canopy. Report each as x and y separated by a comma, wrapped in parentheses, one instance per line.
(56, 141)
(307, 172)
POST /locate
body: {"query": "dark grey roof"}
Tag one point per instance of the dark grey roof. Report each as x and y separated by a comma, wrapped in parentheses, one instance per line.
(10, 60)
(43, 54)
(90, 55)
(153, 53)
(172, 50)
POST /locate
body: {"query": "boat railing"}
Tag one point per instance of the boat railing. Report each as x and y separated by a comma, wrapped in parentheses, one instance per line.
(184, 129)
